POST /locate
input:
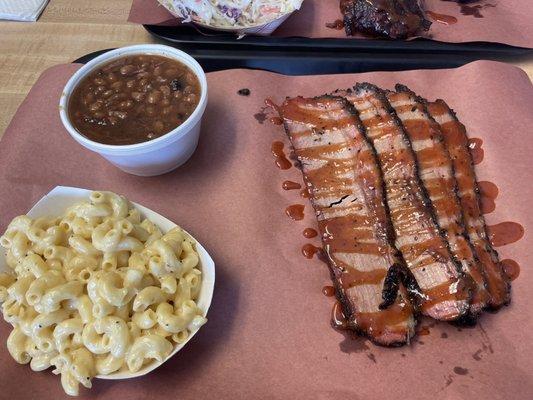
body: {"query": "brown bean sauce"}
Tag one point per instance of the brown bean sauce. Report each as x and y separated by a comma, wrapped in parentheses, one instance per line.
(134, 99)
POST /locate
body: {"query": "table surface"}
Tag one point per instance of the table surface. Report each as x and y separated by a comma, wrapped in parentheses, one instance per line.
(67, 30)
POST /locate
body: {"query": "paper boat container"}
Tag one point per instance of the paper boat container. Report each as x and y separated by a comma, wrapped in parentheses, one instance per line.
(62, 197)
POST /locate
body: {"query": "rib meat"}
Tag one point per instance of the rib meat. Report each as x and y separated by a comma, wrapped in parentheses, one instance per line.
(456, 139)
(446, 291)
(396, 19)
(344, 181)
(437, 174)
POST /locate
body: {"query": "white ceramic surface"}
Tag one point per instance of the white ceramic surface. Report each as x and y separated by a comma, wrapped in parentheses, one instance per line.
(154, 157)
(62, 197)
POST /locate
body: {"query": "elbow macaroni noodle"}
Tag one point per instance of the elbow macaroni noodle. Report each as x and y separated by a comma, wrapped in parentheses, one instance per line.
(97, 290)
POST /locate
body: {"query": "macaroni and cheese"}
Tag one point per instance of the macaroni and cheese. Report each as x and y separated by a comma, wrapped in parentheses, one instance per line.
(97, 290)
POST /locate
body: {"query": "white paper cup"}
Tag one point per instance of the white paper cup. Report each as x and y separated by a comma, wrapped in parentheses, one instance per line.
(154, 157)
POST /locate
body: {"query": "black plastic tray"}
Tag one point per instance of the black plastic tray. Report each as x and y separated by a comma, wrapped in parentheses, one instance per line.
(317, 56)
(298, 61)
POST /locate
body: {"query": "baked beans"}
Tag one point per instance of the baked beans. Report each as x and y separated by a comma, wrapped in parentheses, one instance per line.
(134, 99)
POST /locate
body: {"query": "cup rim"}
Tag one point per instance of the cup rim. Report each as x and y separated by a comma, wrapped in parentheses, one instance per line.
(142, 49)
(244, 27)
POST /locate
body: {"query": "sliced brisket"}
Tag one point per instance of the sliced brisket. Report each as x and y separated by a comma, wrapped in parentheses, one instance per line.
(446, 291)
(437, 173)
(344, 181)
(456, 139)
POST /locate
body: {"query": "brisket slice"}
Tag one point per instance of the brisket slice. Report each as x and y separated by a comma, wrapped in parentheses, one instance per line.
(437, 174)
(446, 292)
(344, 182)
(456, 139)
(396, 19)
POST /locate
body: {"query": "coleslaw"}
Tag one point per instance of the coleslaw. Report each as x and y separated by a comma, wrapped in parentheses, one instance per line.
(230, 13)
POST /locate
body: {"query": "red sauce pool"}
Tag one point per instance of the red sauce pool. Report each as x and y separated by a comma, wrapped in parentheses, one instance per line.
(442, 18)
(337, 25)
(277, 151)
(290, 185)
(295, 211)
(511, 268)
(488, 192)
(328, 291)
(309, 233)
(505, 233)
(309, 250)
(477, 152)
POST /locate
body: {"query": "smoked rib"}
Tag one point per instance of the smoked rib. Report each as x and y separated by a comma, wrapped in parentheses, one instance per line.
(437, 174)
(446, 292)
(456, 140)
(346, 190)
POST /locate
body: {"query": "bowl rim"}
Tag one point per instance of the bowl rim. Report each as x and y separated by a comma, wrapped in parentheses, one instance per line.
(105, 58)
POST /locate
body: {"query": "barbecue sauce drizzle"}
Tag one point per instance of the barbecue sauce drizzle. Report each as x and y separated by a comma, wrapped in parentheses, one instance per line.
(442, 18)
(441, 188)
(345, 234)
(460, 146)
(477, 152)
(505, 233)
(511, 268)
(309, 250)
(473, 10)
(309, 233)
(277, 151)
(337, 25)
(407, 191)
(488, 192)
(295, 212)
(328, 291)
(290, 185)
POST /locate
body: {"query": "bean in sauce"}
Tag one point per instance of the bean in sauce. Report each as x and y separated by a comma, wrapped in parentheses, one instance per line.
(134, 99)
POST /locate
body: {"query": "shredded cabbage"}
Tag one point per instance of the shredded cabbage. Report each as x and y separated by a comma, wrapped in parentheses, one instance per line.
(230, 13)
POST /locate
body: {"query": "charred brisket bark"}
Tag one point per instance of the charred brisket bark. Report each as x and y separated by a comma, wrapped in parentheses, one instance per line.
(338, 163)
(445, 289)
(395, 19)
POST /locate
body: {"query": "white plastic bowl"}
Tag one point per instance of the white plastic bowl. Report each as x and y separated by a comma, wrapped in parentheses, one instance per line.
(62, 197)
(154, 157)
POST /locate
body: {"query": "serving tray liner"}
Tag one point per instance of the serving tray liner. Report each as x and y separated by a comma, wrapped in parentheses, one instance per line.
(268, 334)
(504, 21)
